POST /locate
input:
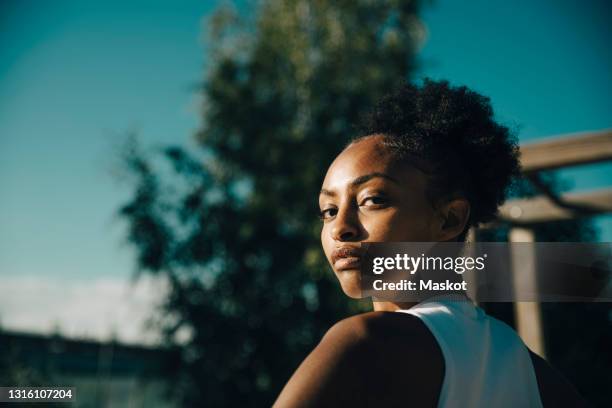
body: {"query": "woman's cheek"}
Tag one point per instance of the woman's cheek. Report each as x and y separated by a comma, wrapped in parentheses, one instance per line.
(398, 227)
(380, 226)
(326, 242)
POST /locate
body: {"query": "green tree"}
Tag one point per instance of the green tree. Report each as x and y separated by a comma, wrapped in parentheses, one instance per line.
(233, 225)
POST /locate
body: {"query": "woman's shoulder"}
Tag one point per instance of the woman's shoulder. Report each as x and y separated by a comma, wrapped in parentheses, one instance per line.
(370, 359)
(387, 335)
(401, 352)
(390, 339)
(373, 327)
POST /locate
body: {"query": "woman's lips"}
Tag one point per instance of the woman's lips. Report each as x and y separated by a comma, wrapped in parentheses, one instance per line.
(346, 257)
(347, 263)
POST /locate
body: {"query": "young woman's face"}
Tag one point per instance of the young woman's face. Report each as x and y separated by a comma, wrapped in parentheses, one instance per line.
(367, 196)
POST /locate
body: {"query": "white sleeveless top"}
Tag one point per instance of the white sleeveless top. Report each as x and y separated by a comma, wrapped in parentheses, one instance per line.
(486, 362)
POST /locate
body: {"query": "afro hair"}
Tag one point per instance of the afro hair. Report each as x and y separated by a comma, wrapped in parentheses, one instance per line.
(452, 130)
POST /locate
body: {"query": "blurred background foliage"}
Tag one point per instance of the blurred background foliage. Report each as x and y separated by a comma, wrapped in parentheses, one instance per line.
(233, 224)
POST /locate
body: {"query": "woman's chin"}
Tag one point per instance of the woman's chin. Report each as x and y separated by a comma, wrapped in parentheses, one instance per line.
(350, 281)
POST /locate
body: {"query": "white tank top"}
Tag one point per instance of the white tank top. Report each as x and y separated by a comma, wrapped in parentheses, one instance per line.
(486, 362)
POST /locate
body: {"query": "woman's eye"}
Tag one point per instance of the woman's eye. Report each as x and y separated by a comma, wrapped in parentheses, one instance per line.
(375, 200)
(327, 213)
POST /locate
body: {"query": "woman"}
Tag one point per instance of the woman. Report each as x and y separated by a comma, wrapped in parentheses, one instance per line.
(431, 163)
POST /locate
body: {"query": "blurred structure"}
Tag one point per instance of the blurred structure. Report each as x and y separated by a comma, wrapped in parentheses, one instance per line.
(574, 337)
(105, 374)
(523, 214)
(554, 154)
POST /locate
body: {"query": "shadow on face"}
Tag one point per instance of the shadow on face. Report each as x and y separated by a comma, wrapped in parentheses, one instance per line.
(368, 195)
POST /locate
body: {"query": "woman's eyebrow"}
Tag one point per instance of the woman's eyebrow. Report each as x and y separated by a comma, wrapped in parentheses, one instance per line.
(360, 180)
(365, 178)
(327, 192)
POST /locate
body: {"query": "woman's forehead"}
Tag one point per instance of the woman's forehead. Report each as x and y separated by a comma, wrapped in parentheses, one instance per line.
(359, 157)
(365, 157)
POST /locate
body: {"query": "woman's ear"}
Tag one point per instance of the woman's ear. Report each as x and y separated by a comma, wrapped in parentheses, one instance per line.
(455, 215)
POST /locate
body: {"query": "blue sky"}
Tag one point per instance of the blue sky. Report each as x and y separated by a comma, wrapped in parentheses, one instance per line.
(76, 76)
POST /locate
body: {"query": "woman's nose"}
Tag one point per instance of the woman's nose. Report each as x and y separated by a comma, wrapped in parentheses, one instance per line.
(346, 226)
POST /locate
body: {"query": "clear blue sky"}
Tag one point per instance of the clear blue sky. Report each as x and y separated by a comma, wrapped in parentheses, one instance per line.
(75, 76)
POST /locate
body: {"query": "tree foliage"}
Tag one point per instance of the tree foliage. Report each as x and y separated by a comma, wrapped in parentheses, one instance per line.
(232, 225)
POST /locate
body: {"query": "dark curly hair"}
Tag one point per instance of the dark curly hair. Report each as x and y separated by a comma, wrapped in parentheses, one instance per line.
(449, 133)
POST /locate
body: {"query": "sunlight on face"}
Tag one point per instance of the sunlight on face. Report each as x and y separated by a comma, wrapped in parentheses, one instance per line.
(369, 196)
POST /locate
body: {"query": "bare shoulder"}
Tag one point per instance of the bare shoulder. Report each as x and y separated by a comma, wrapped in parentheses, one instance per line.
(369, 359)
(555, 390)
(374, 327)
(371, 325)
(406, 358)
(382, 332)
